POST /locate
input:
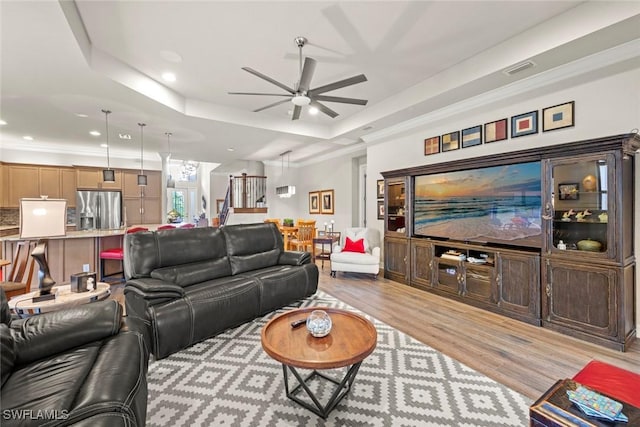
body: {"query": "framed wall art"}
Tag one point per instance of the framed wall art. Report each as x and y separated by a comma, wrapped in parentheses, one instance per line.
(380, 189)
(524, 124)
(314, 202)
(451, 141)
(326, 202)
(380, 209)
(471, 136)
(495, 131)
(558, 117)
(432, 145)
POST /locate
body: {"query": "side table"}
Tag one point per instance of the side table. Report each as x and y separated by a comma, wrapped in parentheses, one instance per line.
(24, 306)
(324, 238)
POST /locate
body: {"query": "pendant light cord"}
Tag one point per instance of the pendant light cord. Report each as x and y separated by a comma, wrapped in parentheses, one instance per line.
(142, 125)
(106, 119)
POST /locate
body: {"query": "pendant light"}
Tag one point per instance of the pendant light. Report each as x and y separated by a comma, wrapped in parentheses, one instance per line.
(171, 183)
(285, 191)
(142, 178)
(108, 174)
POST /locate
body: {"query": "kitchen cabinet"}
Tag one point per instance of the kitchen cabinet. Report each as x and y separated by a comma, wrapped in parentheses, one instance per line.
(24, 182)
(68, 186)
(91, 178)
(142, 211)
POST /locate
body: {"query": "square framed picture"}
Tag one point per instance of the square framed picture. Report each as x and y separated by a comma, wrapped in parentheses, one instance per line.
(451, 141)
(314, 202)
(496, 131)
(558, 117)
(380, 189)
(380, 209)
(326, 202)
(472, 136)
(524, 124)
(432, 145)
(568, 191)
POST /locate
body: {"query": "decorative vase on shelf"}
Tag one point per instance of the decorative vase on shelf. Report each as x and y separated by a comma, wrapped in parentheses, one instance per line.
(589, 183)
(589, 245)
(319, 323)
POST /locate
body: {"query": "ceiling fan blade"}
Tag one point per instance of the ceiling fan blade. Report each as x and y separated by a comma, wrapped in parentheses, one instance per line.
(263, 94)
(269, 79)
(296, 112)
(341, 99)
(339, 84)
(328, 111)
(272, 105)
(307, 73)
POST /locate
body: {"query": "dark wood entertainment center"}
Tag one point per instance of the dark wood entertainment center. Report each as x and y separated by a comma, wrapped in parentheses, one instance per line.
(580, 282)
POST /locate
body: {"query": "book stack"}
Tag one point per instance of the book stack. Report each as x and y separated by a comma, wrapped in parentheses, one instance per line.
(454, 255)
(596, 405)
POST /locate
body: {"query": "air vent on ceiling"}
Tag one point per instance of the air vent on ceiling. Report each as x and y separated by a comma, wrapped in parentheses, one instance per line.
(519, 67)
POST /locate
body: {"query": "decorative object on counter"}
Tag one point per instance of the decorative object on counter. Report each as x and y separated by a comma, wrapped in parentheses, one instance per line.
(603, 217)
(562, 245)
(41, 218)
(567, 215)
(568, 191)
(558, 117)
(174, 216)
(582, 216)
(319, 323)
(589, 183)
(171, 183)
(142, 178)
(108, 174)
(589, 245)
(524, 124)
(83, 282)
(287, 222)
(326, 199)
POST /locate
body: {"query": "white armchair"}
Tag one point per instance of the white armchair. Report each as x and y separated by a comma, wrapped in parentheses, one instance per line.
(356, 262)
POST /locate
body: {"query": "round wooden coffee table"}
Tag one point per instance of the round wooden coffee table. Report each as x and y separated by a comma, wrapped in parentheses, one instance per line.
(24, 306)
(351, 340)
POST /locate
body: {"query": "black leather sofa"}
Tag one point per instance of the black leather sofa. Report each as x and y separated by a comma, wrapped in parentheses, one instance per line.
(188, 285)
(78, 366)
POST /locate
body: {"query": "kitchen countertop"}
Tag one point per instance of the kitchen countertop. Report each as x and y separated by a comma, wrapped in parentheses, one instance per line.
(82, 234)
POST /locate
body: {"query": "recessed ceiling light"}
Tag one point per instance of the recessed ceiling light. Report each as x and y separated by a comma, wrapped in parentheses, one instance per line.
(28, 138)
(313, 110)
(124, 136)
(169, 77)
(81, 115)
(94, 133)
(230, 149)
(171, 56)
(103, 145)
(2, 123)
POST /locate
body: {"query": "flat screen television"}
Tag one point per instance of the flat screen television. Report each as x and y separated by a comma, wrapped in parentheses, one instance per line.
(497, 204)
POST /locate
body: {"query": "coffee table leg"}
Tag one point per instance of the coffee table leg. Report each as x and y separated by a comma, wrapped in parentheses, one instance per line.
(341, 391)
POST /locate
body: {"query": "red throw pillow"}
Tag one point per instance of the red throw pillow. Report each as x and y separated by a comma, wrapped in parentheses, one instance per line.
(351, 246)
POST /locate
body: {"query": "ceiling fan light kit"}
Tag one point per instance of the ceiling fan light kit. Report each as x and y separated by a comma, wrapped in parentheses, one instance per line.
(301, 94)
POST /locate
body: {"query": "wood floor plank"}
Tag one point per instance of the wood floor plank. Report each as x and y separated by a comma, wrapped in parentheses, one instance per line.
(526, 358)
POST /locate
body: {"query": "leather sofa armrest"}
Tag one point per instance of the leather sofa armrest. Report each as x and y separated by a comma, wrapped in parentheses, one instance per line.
(151, 289)
(51, 333)
(294, 258)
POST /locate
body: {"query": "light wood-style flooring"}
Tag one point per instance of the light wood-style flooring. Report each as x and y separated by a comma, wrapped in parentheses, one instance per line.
(525, 358)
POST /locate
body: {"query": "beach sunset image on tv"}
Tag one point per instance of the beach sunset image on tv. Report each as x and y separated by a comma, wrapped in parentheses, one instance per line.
(499, 204)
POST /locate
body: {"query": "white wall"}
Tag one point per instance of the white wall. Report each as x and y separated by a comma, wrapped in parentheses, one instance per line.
(603, 106)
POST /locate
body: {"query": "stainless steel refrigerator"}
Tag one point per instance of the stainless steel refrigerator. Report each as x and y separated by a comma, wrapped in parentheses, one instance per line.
(98, 209)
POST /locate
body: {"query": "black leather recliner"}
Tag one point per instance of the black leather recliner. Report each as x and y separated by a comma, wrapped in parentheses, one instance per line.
(72, 367)
(189, 285)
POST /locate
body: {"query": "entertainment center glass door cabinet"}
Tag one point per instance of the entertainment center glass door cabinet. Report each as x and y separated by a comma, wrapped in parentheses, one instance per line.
(580, 282)
(589, 267)
(396, 243)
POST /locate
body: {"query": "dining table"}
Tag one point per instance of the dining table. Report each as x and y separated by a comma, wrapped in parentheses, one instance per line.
(287, 233)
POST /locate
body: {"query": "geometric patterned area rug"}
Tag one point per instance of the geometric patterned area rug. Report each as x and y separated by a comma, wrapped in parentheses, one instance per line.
(229, 380)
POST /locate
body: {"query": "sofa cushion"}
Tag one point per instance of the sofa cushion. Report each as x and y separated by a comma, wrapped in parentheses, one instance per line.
(7, 352)
(351, 246)
(196, 272)
(359, 233)
(354, 258)
(252, 246)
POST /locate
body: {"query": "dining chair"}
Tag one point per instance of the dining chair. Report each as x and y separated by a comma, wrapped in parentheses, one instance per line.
(274, 220)
(304, 236)
(22, 270)
(115, 254)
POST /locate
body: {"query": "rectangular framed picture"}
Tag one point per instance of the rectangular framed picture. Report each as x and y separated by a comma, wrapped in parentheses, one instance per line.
(326, 202)
(451, 141)
(314, 202)
(472, 136)
(558, 117)
(380, 209)
(380, 189)
(432, 145)
(524, 124)
(495, 131)
(568, 191)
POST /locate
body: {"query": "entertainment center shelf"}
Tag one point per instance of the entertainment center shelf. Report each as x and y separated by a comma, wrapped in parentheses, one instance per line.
(551, 244)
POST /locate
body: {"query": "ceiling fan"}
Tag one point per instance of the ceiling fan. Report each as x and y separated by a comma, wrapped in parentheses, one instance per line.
(301, 95)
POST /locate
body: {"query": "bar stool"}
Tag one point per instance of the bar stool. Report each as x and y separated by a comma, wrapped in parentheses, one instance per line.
(115, 254)
(22, 271)
(166, 227)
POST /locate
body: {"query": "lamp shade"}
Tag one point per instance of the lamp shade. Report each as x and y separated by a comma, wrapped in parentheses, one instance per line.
(108, 175)
(142, 180)
(42, 218)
